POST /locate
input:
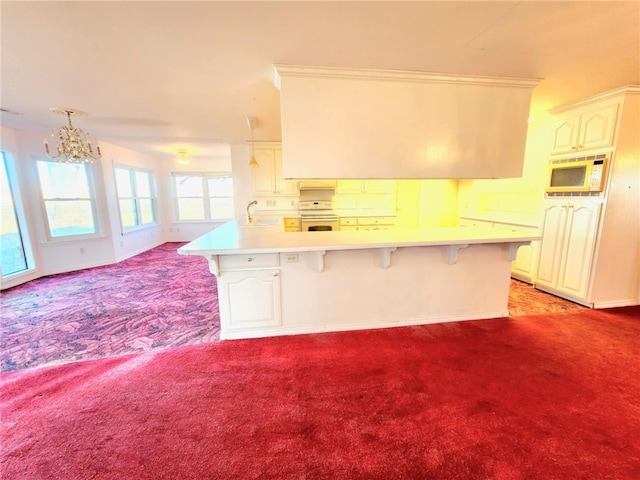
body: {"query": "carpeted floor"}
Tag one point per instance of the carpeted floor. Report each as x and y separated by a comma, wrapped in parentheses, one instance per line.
(535, 397)
(155, 300)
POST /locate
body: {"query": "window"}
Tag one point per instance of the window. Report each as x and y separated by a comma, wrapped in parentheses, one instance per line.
(203, 196)
(15, 254)
(69, 199)
(135, 197)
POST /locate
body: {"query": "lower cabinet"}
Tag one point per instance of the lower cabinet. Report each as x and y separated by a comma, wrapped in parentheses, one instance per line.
(567, 248)
(292, 224)
(524, 266)
(261, 285)
(367, 223)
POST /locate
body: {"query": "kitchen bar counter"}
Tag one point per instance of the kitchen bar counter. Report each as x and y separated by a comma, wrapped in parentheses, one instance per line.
(231, 238)
(276, 283)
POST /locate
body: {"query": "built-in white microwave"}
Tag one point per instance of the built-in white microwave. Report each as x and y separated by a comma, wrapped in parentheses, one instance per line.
(582, 174)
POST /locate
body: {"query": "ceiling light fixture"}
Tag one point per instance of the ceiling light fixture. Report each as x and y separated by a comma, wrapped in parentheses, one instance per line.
(182, 156)
(74, 146)
(253, 163)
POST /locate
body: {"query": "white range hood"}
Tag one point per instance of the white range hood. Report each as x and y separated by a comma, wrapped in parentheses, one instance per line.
(347, 123)
(317, 185)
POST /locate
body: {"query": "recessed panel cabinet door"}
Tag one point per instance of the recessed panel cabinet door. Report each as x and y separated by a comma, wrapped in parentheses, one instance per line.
(553, 230)
(264, 176)
(597, 128)
(565, 135)
(582, 222)
(249, 299)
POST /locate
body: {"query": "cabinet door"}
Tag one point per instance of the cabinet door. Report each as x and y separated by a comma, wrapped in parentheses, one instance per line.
(565, 135)
(523, 267)
(553, 231)
(379, 186)
(597, 128)
(249, 299)
(581, 229)
(349, 186)
(282, 185)
(264, 175)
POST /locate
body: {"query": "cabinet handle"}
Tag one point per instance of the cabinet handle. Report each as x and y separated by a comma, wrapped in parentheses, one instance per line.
(276, 274)
(249, 259)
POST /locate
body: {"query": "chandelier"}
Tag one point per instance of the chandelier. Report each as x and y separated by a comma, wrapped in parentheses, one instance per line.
(182, 156)
(74, 145)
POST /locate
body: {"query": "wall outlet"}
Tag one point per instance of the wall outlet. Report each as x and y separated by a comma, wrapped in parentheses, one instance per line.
(271, 203)
(82, 250)
(292, 257)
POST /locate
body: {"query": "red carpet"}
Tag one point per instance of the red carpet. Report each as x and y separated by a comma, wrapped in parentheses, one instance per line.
(538, 397)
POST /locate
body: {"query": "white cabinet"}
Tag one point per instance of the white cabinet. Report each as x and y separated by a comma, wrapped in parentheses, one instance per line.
(607, 271)
(254, 277)
(567, 248)
(292, 224)
(583, 131)
(366, 186)
(367, 223)
(524, 266)
(267, 177)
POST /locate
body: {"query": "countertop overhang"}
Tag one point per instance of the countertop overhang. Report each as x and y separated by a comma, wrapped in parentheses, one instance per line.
(231, 238)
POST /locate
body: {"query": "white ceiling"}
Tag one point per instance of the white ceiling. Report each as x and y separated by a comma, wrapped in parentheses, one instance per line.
(162, 75)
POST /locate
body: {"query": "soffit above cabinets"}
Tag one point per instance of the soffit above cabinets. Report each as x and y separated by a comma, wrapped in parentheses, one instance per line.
(354, 123)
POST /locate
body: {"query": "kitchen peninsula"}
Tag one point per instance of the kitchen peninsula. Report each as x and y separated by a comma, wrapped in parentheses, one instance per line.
(275, 283)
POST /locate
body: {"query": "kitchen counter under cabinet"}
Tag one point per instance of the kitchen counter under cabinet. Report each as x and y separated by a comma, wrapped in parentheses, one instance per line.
(276, 283)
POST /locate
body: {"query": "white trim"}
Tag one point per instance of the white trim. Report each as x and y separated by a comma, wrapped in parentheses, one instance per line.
(631, 89)
(280, 71)
(237, 334)
(615, 303)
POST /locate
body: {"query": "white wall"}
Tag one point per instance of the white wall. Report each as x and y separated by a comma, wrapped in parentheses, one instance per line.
(127, 244)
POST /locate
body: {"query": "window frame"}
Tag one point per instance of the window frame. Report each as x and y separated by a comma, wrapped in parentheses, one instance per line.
(16, 193)
(206, 196)
(93, 201)
(136, 198)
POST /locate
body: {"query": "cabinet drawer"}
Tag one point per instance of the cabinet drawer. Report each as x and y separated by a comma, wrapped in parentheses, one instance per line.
(348, 221)
(235, 262)
(376, 221)
(345, 228)
(291, 222)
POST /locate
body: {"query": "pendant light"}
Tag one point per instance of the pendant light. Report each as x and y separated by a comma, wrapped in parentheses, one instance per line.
(253, 163)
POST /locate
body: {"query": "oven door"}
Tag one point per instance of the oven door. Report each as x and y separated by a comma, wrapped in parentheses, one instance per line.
(319, 224)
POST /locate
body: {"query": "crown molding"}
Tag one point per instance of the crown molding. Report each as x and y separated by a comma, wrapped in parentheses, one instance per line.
(396, 75)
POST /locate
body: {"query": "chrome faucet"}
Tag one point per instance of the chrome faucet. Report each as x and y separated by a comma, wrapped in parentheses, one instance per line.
(255, 202)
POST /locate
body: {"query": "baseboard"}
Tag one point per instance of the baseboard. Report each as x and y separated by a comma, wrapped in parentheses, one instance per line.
(615, 304)
(137, 252)
(308, 329)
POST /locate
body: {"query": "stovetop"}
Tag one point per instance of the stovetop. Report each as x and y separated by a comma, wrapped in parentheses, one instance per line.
(315, 208)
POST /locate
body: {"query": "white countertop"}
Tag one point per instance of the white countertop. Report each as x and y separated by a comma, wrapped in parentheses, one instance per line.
(508, 218)
(230, 239)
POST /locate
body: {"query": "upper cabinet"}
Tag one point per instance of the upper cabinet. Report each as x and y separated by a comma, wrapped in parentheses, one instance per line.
(594, 128)
(366, 186)
(380, 124)
(267, 177)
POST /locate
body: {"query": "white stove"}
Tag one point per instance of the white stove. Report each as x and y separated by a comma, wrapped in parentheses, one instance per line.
(317, 216)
